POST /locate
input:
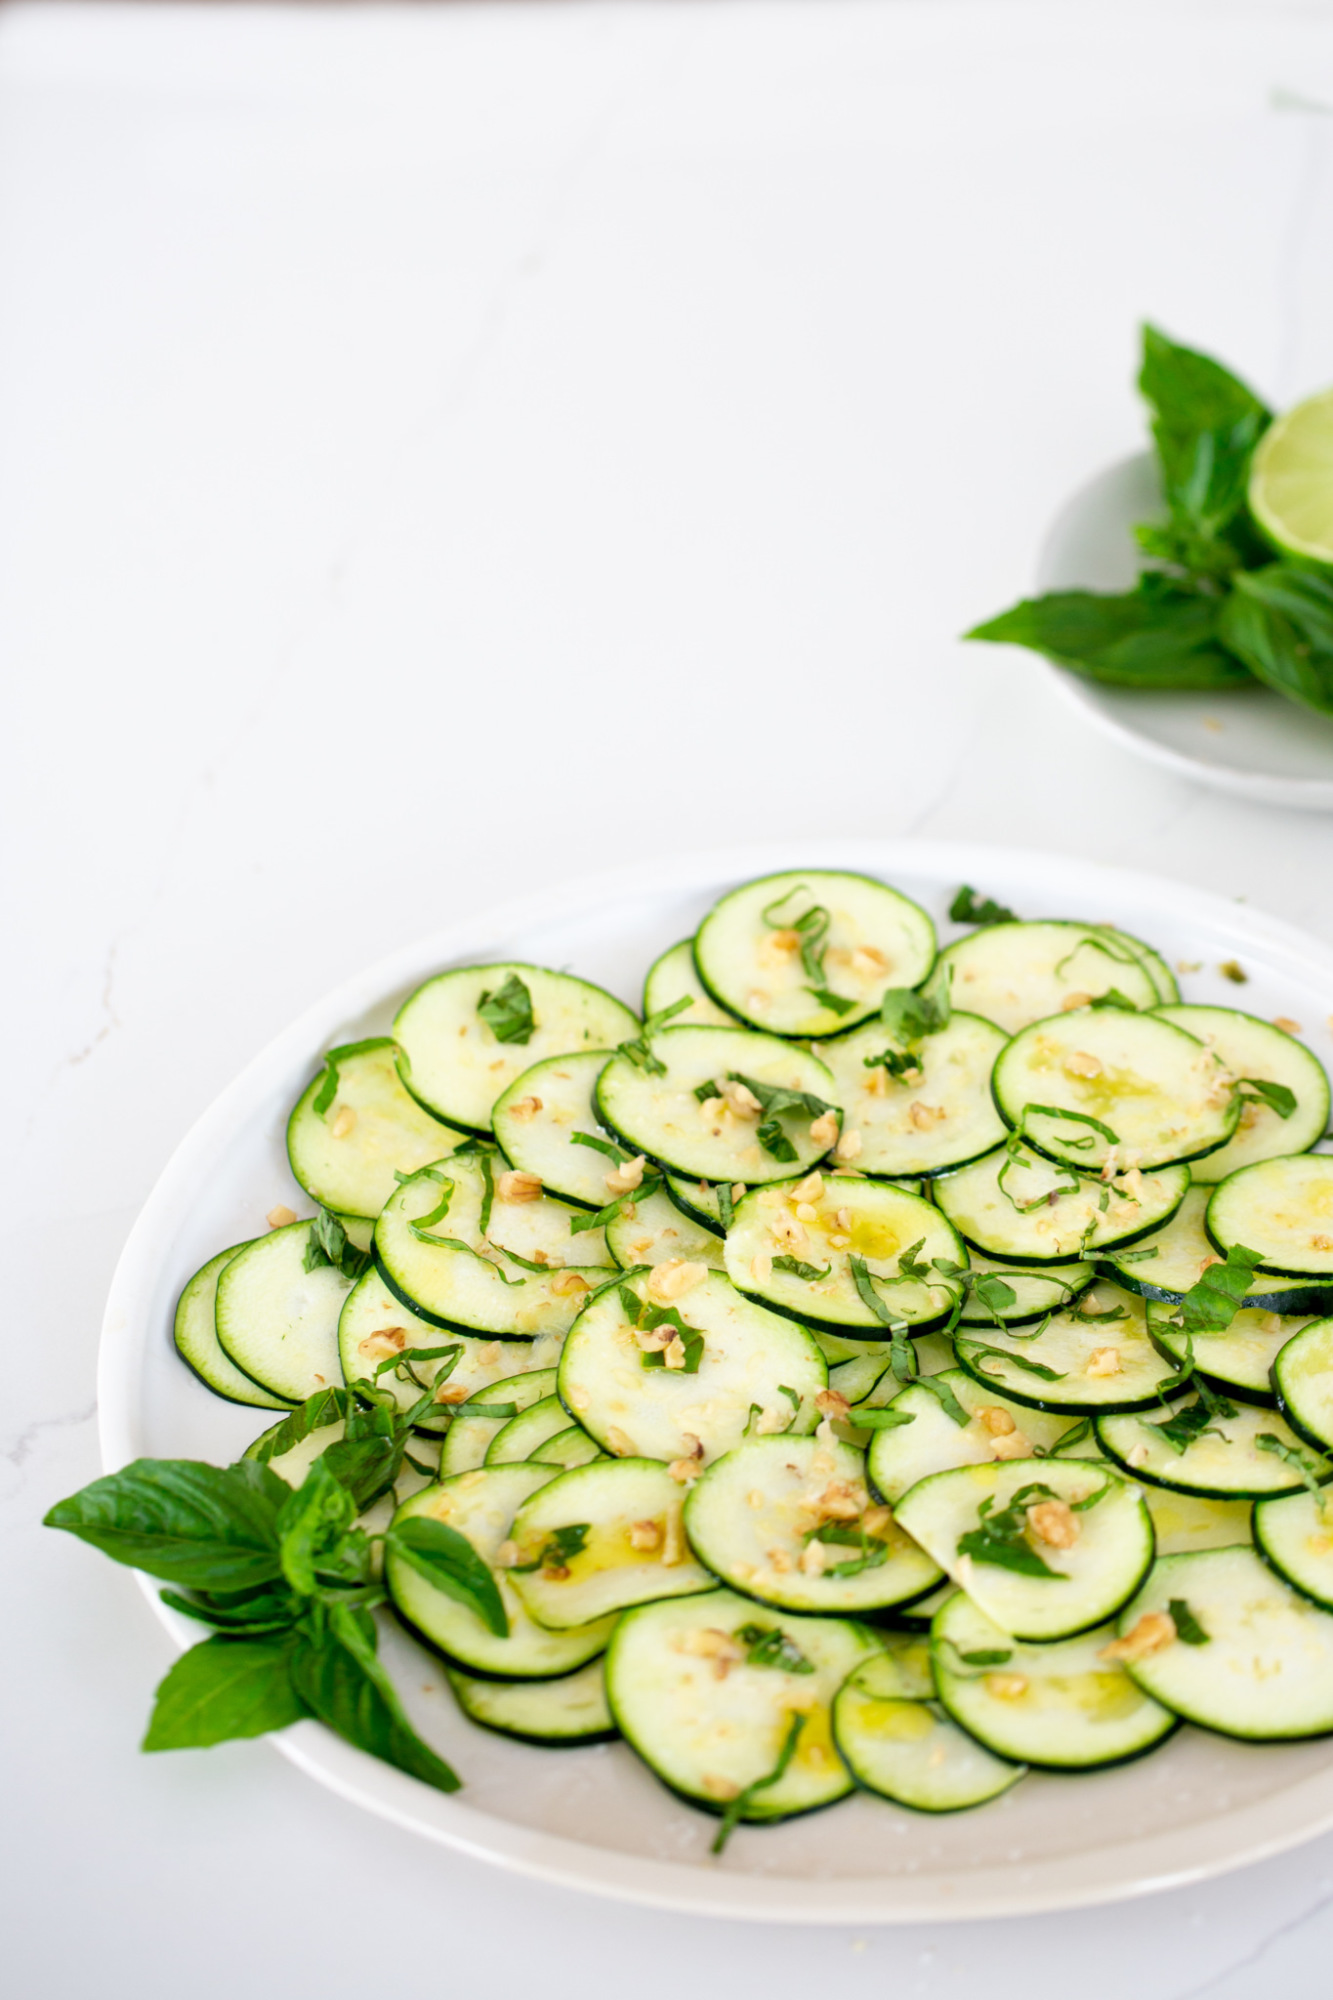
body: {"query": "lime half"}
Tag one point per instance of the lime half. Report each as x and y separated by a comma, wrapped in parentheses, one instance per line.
(1291, 481)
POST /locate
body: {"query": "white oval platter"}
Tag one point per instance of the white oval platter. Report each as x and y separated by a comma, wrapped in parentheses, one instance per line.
(1250, 742)
(594, 1819)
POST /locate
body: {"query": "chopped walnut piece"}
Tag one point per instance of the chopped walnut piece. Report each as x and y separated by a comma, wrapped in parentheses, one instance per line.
(1321, 1242)
(451, 1392)
(623, 1180)
(848, 1147)
(1287, 1025)
(506, 1555)
(1103, 1361)
(824, 1129)
(344, 1122)
(1055, 1523)
(387, 1340)
(1007, 1687)
(568, 1284)
(761, 1267)
(720, 1788)
(830, 1403)
(280, 1217)
(1072, 1000)
(839, 1501)
(1153, 1631)
(690, 1464)
(1080, 1062)
(644, 1536)
(675, 1548)
(515, 1186)
(1137, 1455)
(813, 1559)
(526, 1108)
(1015, 1445)
(488, 1355)
(997, 1421)
(806, 1212)
(672, 1278)
(868, 961)
(673, 1354)
(876, 1519)
(779, 1561)
(710, 1643)
(809, 1189)
(923, 1116)
(740, 1099)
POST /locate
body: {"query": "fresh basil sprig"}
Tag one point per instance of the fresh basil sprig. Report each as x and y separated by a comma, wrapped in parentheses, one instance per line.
(969, 908)
(740, 1805)
(328, 1243)
(508, 1011)
(638, 1050)
(773, 1102)
(333, 1058)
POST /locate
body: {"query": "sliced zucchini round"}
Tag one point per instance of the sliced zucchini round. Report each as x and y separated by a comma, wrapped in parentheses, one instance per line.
(690, 1689)
(727, 1136)
(1241, 1359)
(481, 1506)
(656, 1231)
(774, 950)
(1021, 1208)
(902, 1745)
(525, 1434)
(815, 1247)
(457, 1063)
(753, 1370)
(674, 977)
(277, 1321)
(1021, 1295)
(374, 1325)
(1263, 1668)
(455, 1267)
(1183, 1521)
(1255, 1050)
(569, 1448)
(1062, 1707)
(699, 1200)
(357, 1123)
(556, 1714)
(599, 1539)
(1295, 1535)
(1015, 974)
(934, 1442)
(1164, 1264)
(1152, 962)
(937, 1116)
(1097, 1355)
(789, 1521)
(545, 1119)
(195, 1332)
(1282, 1209)
(1083, 1082)
(1226, 1459)
(1081, 1540)
(479, 1420)
(1303, 1379)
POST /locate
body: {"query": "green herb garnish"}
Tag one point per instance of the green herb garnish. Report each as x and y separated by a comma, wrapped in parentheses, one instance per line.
(328, 1089)
(637, 1050)
(1255, 1090)
(743, 1800)
(559, 1549)
(508, 1011)
(768, 1646)
(968, 908)
(809, 1272)
(773, 1102)
(328, 1244)
(1188, 1629)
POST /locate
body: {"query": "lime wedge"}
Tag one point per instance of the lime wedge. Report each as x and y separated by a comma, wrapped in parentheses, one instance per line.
(1291, 481)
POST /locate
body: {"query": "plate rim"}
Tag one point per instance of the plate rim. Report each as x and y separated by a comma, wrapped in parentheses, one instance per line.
(1283, 1820)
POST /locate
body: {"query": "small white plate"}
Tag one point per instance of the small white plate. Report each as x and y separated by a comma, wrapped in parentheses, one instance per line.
(1251, 742)
(595, 1819)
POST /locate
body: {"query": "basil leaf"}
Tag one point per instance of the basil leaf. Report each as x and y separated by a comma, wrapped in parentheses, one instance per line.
(1156, 635)
(448, 1561)
(969, 908)
(1279, 621)
(1205, 424)
(326, 1406)
(1302, 1463)
(809, 1272)
(867, 1294)
(508, 1011)
(1000, 1538)
(638, 1050)
(743, 1800)
(1188, 1426)
(1067, 1118)
(615, 1153)
(994, 1293)
(1210, 1305)
(773, 1103)
(1037, 1368)
(885, 1419)
(225, 1688)
(313, 1522)
(1188, 1629)
(768, 1646)
(342, 1682)
(328, 1089)
(994, 1658)
(945, 1397)
(206, 1527)
(328, 1244)
(579, 1223)
(238, 1612)
(910, 1013)
(835, 1002)
(1275, 1095)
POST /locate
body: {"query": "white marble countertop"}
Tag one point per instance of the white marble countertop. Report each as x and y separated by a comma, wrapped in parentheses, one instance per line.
(450, 449)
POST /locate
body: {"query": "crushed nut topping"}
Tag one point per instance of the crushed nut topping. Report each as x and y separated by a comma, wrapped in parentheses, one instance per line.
(644, 1536)
(997, 1421)
(813, 1559)
(720, 1788)
(923, 1116)
(344, 1123)
(1079, 1062)
(280, 1217)
(1015, 1445)
(1007, 1687)
(761, 1267)
(451, 1392)
(675, 1548)
(672, 1278)
(387, 1340)
(568, 1284)
(1055, 1523)
(1287, 1025)
(506, 1555)
(740, 1100)
(876, 1519)
(1073, 1000)
(848, 1147)
(1153, 1631)
(623, 1180)
(832, 1404)
(809, 1189)
(526, 1108)
(1103, 1361)
(515, 1186)
(824, 1129)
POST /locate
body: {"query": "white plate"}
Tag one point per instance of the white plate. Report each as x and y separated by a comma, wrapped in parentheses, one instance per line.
(594, 1818)
(1251, 742)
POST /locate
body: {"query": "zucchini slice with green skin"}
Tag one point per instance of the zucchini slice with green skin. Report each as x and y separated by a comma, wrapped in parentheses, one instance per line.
(481, 1506)
(524, 1435)
(1075, 1363)
(1264, 1671)
(771, 950)
(758, 1519)
(792, 1246)
(899, 1743)
(1152, 962)
(1295, 1536)
(1018, 973)
(457, 1275)
(939, 1116)
(279, 1322)
(711, 1735)
(375, 1324)
(674, 976)
(698, 1200)
(1086, 1081)
(1003, 1205)
(717, 1138)
(1036, 1292)
(867, 1377)
(749, 1360)
(1084, 1581)
(345, 1154)
(1283, 1210)
(1226, 1461)
(195, 1332)
(1303, 1379)
(454, 1063)
(932, 1442)
(624, 1516)
(1239, 1360)
(1253, 1048)
(469, 1436)
(655, 1231)
(543, 1118)
(568, 1448)
(558, 1715)
(1165, 1263)
(1061, 1707)
(1184, 1521)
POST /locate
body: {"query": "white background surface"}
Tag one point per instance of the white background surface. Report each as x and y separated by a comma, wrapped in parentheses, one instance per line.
(441, 451)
